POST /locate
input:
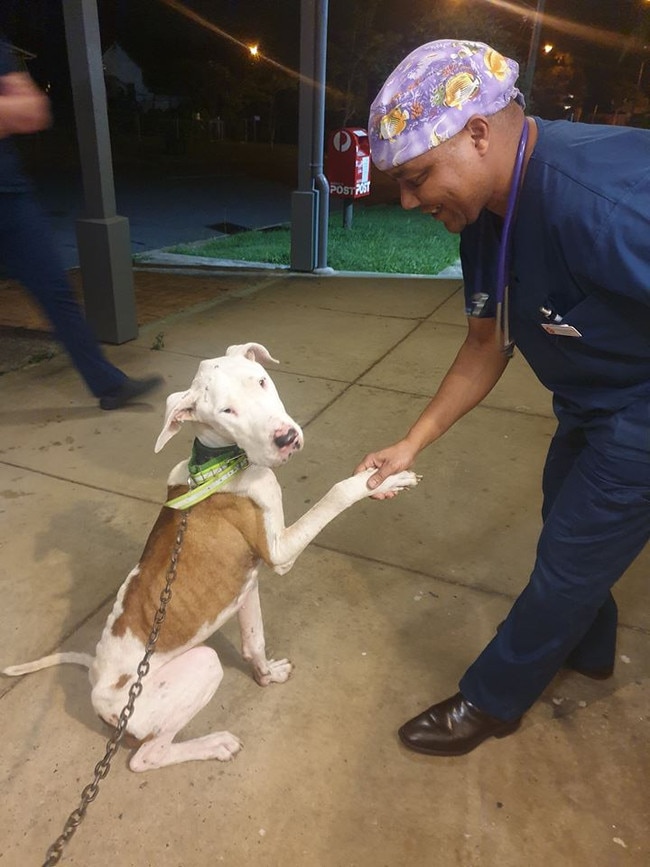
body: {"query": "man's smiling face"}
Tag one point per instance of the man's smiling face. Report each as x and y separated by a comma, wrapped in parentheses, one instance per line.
(450, 182)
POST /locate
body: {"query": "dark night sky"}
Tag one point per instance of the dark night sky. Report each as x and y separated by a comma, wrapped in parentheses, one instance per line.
(153, 33)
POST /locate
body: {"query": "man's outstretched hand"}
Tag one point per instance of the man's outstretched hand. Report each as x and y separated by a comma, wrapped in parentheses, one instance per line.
(388, 461)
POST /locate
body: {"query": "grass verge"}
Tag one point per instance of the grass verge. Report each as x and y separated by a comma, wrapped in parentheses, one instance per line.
(383, 238)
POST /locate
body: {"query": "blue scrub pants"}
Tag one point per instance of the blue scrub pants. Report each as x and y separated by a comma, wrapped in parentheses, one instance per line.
(28, 254)
(596, 521)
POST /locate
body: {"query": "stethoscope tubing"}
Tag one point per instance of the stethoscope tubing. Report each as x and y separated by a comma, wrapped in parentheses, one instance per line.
(505, 244)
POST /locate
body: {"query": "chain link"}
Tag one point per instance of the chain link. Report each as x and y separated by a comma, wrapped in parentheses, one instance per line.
(102, 767)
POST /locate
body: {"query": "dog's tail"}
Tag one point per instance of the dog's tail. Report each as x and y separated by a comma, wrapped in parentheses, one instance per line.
(84, 659)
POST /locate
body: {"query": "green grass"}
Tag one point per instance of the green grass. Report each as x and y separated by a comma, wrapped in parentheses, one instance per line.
(383, 238)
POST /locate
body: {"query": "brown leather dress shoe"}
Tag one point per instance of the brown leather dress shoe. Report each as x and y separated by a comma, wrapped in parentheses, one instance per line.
(452, 728)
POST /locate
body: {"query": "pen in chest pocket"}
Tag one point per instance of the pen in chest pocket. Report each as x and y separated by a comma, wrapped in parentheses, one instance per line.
(550, 314)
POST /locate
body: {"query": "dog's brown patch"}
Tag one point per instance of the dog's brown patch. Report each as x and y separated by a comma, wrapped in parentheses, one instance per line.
(121, 681)
(224, 538)
(133, 743)
(128, 740)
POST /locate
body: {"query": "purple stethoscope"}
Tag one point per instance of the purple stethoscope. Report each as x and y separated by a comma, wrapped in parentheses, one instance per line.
(505, 245)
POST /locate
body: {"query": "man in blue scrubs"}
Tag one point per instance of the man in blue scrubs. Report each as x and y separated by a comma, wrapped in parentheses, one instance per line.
(27, 250)
(565, 207)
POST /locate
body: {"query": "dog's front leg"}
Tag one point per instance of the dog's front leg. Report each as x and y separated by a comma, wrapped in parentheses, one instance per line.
(265, 671)
(286, 544)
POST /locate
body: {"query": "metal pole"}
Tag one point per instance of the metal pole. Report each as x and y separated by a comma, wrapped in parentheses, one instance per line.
(310, 202)
(102, 236)
(527, 84)
(304, 213)
(640, 78)
(320, 181)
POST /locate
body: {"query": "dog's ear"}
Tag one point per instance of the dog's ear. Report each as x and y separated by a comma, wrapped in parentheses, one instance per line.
(180, 407)
(254, 351)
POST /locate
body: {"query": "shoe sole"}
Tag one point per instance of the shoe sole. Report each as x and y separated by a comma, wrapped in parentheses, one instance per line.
(502, 733)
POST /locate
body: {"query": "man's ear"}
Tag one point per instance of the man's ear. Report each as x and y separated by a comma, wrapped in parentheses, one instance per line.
(181, 406)
(478, 127)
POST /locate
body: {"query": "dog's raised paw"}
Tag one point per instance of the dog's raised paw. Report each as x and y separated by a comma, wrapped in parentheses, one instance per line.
(398, 482)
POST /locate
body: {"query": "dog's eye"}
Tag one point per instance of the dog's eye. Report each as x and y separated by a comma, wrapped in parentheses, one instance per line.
(263, 383)
(227, 409)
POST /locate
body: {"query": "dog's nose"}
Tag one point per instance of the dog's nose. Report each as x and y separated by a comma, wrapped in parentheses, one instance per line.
(286, 439)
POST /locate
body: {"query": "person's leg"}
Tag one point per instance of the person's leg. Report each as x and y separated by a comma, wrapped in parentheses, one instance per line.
(565, 449)
(596, 652)
(28, 254)
(597, 525)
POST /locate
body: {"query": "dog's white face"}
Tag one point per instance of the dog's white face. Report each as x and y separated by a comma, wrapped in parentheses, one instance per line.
(233, 400)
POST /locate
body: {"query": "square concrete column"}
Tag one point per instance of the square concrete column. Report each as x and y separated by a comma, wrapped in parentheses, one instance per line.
(102, 236)
(107, 276)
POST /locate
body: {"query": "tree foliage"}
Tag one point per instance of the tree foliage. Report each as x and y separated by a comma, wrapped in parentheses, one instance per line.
(367, 40)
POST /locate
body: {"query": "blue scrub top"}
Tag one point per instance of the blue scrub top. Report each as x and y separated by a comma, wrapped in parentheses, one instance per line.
(581, 246)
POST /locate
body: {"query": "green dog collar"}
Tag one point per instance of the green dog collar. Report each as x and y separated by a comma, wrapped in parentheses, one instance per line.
(209, 470)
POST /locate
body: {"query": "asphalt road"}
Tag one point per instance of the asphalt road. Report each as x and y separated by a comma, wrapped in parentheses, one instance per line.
(162, 211)
(168, 209)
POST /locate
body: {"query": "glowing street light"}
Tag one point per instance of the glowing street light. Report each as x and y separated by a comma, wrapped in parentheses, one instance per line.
(254, 50)
(547, 48)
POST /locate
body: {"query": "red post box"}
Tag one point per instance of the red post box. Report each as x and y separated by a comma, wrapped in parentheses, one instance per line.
(348, 163)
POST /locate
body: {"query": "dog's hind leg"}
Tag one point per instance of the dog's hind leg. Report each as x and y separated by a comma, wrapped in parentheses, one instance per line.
(265, 671)
(172, 695)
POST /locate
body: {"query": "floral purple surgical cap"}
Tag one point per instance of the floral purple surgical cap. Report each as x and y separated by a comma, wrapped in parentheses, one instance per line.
(432, 94)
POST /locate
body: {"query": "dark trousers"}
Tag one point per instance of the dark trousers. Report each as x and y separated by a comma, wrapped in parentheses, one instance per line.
(596, 521)
(28, 254)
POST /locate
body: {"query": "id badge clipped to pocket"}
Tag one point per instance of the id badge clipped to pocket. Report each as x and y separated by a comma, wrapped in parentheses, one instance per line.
(560, 329)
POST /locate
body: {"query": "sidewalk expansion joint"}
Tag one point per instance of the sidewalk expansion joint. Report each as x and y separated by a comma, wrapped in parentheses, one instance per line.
(80, 484)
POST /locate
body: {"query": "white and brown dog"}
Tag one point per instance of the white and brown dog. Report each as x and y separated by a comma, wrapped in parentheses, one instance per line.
(234, 405)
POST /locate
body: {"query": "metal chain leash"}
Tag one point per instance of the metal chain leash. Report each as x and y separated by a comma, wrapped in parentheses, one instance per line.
(102, 768)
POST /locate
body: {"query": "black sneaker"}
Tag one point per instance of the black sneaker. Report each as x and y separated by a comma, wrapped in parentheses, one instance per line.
(129, 391)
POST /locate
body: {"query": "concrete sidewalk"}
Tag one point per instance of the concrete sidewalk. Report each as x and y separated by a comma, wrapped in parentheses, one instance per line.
(381, 615)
